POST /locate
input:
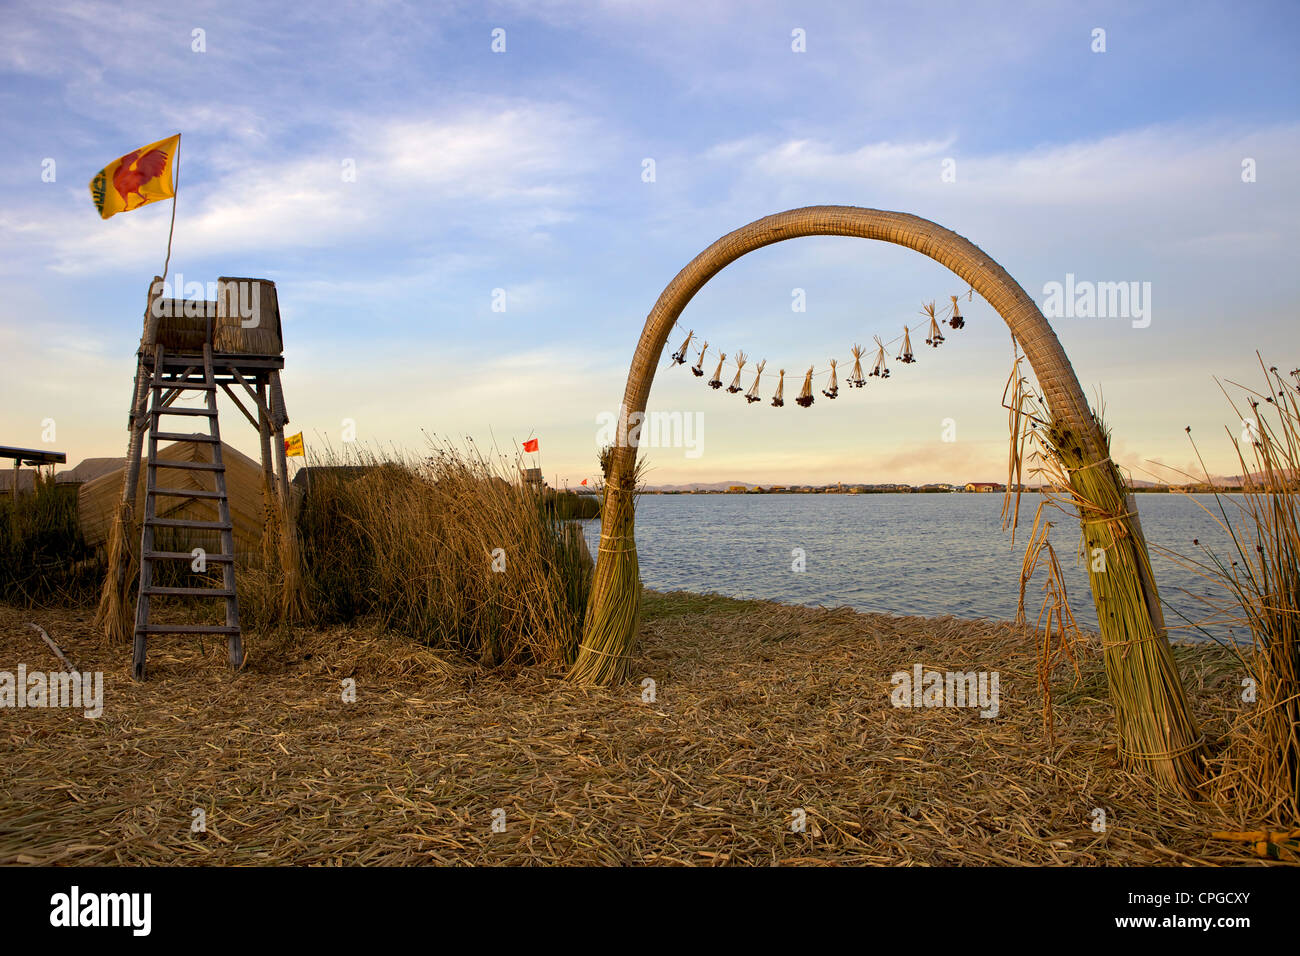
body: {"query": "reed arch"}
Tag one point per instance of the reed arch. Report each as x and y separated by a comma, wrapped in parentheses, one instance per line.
(1153, 719)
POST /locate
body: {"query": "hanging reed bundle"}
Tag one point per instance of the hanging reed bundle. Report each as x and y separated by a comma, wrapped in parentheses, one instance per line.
(698, 367)
(905, 355)
(834, 389)
(856, 379)
(805, 394)
(752, 395)
(679, 357)
(935, 336)
(881, 369)
(716, 381)
(955, 320)
(777, 400)
(735, 385)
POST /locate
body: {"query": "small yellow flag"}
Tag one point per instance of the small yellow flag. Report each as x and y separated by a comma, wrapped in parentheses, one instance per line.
(293, 446)
(137, 179)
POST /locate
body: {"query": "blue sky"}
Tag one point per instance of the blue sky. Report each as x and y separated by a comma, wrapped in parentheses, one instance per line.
(522, 171)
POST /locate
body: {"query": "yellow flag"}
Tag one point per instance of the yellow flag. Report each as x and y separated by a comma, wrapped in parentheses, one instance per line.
(293, 446)
(137, 179)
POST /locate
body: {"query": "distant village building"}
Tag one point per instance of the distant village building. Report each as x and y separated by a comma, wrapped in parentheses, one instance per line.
(984, 486)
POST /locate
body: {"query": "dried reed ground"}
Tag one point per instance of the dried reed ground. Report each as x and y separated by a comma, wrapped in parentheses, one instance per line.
(761, 708)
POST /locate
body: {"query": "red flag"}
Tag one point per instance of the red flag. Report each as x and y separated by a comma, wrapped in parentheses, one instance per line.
(530, 445)
(583, 482)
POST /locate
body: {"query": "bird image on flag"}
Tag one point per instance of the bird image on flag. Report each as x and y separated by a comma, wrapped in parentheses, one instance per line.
(530, 445)
(140, 177)
(293, 446)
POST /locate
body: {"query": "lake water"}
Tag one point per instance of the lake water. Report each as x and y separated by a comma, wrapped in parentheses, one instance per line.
(922, 554)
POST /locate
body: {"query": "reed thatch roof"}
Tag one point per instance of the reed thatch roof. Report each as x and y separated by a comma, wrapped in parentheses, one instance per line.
(97, 499)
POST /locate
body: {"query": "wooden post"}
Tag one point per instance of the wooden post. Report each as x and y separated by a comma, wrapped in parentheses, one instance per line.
(281, 419)
(135, 443)
(269, 494)
(140, 408)
(264, 434)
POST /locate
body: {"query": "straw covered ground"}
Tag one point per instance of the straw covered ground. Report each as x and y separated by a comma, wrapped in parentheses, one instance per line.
(760, 709)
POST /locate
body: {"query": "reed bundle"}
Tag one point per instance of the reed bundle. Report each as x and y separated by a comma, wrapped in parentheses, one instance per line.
(115, 615)
(934, 338)
(716, 381)
(735, 385)
(1153, 719)
(905, 353)
(614, 606)
(752, 395)
(293, 598)
(881, 368)
(778, 400)
(698, 368)
(856, 379)
(955, 318)
(806, 393)
(833, 389)
(679, 357)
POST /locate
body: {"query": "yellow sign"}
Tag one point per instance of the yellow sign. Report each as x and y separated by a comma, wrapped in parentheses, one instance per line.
(293, 446)
(137, 179)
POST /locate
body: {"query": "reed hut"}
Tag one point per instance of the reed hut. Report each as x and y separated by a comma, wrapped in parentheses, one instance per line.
(98, 498)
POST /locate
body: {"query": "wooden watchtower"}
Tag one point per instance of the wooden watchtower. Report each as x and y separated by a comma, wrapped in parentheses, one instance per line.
(198, 346)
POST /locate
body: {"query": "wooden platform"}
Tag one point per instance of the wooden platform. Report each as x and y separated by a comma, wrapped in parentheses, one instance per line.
(248, 365)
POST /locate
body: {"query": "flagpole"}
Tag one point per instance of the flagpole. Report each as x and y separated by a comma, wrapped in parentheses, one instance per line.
(176, 191)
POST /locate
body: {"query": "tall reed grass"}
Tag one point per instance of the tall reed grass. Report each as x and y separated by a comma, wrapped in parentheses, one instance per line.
(1261, 578)
(43, 558)
(450, 549)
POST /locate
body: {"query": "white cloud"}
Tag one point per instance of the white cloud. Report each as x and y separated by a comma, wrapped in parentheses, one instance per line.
(517, 165)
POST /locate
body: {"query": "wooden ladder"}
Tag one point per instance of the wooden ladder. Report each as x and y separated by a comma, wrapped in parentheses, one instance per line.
(163, 392)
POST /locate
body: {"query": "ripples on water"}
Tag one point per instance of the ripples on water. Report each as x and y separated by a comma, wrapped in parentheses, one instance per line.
(925, 554)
